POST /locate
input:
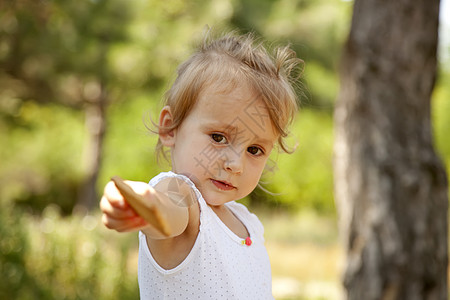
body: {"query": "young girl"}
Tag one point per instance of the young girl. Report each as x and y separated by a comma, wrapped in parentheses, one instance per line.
(228, 108)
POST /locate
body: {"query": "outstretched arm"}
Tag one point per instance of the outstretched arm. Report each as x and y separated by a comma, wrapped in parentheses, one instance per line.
(160, 212)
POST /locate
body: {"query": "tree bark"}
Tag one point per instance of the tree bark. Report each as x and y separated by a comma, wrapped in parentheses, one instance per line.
(96, 128)
(96, 100)
(390, 186)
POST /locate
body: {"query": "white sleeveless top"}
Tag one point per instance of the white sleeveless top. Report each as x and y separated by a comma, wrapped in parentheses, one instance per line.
(219, 266)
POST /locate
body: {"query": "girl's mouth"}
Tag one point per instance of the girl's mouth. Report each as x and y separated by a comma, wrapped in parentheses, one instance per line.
(223, 185)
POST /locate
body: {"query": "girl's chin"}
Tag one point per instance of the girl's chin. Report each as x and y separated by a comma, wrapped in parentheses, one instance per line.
(216, 200)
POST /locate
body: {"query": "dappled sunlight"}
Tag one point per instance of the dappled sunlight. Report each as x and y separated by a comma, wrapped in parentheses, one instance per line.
(56, 257)
(305, 255)
(77, 256)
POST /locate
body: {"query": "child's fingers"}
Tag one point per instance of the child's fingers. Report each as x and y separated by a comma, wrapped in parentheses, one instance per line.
(116, 212)
(124, 225)
(135, 224)
(114, 196)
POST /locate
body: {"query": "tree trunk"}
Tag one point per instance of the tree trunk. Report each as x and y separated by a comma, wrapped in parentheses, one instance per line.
(390, 186)
(96, 99)
(96, 127)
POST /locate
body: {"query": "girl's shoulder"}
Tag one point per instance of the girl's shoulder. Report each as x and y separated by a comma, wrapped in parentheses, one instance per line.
(164, 175)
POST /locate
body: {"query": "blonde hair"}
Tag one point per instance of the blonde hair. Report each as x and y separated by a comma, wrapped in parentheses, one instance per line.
(229, 60)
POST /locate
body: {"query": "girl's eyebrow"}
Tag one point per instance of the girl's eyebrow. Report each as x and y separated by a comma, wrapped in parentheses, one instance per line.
(264, 141)
(221, 125)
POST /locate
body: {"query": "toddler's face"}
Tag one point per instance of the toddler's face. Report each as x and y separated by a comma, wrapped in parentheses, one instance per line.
(224, 143)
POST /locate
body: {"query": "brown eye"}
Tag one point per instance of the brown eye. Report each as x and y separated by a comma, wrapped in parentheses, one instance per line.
(218, 138)
(255, 150)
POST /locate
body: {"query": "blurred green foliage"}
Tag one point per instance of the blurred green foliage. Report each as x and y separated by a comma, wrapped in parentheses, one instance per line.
(440, 115)
(53, 55)
(308, 186)
(40, 164)
(64, 258)
(56, 55)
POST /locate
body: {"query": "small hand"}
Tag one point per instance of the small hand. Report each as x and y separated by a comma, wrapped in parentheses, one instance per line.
(117, 213)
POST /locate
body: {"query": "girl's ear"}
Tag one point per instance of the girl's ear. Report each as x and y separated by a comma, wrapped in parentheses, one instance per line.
(167, 136)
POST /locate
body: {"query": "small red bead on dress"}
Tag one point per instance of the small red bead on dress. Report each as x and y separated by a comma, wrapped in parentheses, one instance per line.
(247, 241)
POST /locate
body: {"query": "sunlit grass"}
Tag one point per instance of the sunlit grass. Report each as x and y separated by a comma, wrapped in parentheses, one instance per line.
(305, 255)
(76, 257)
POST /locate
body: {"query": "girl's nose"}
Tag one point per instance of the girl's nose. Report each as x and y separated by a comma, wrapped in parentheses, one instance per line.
(234, 164)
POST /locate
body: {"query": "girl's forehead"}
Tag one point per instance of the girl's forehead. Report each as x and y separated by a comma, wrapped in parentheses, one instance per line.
(226, 84)
(239, 95)
(238, 108)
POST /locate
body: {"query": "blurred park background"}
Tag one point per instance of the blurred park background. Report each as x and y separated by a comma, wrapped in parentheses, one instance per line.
(79, 81)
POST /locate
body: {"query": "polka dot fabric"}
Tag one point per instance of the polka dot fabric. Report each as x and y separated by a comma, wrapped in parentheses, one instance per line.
(219, 266)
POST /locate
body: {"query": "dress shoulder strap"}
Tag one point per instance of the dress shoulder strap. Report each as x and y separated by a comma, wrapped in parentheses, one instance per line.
(201, 201)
